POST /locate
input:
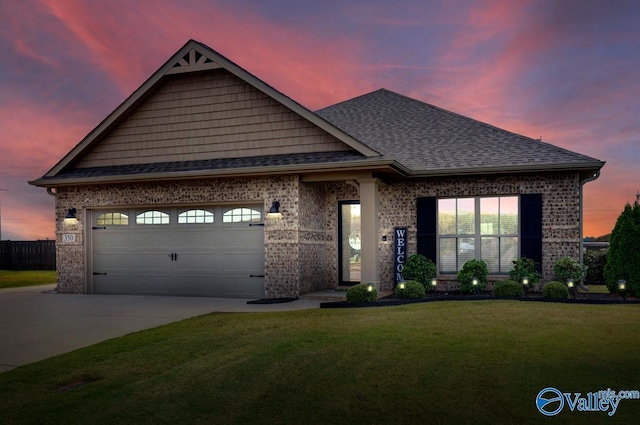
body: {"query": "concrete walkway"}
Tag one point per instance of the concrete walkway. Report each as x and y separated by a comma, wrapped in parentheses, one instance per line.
(35, 325)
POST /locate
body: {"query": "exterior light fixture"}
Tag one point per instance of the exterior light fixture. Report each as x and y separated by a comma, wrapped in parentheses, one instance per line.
(71, 218)
(370, 287)
(622, 288)
(434, 282)
(572, 287)
(274, 211)
(475, 283)
(525, 283)
(401, 285)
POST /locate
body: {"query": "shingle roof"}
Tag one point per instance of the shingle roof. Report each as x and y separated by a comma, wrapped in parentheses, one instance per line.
(212, 164)
(423, 137)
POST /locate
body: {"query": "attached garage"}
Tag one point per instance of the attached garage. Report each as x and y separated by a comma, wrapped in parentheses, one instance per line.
(205, 251)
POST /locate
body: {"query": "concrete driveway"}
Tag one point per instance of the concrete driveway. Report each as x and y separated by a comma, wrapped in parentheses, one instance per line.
(35, 325)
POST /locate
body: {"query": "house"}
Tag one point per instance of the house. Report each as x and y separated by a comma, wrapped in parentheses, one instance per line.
(208, 181)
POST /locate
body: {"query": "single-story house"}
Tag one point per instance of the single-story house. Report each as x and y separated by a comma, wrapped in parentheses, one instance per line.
(208, 181)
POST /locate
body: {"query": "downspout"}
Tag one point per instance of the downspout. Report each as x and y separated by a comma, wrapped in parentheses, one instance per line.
(591, 178)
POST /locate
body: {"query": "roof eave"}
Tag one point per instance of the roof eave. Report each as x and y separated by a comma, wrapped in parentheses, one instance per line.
(588, 167)
(369, 165)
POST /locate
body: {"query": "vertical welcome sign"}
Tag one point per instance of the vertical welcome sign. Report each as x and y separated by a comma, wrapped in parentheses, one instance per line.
(400, 252)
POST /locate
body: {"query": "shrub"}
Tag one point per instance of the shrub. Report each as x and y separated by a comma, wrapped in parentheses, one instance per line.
(419, 268)
(555, 290)
(525, 267)
(623, 260)
(566, 268)
(412, 289)
(361, 293)
(595, 260)
(508, 289)
(471, 269)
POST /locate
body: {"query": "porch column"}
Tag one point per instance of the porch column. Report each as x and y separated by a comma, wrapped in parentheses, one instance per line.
(369, 230)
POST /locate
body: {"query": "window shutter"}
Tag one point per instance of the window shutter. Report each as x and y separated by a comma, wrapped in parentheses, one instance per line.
(427, 219)
(531, 226)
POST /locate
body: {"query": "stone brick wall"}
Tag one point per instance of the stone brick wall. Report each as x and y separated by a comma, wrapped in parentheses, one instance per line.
(301, 248)
(282, 274)
(561, 226)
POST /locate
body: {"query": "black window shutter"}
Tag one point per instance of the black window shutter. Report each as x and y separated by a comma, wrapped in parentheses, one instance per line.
(531, 226)
(427, 215)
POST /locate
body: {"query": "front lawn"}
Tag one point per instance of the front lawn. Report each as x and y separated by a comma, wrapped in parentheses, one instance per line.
(461, 362)
(15, 279)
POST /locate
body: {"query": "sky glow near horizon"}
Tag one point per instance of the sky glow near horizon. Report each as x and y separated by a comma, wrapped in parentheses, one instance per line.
(567, 71)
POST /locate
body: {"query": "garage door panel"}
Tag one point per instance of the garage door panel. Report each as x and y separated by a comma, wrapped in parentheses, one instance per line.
(213, 259)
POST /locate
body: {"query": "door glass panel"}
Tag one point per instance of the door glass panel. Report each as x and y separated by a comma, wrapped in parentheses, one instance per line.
(350, 243)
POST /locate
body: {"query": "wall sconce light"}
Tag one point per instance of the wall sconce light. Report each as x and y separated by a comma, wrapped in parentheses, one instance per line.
(71, 218)
(622, 288)
(274, 211)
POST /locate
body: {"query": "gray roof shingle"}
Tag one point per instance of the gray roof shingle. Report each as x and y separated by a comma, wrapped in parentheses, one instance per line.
(212, 164)
(423, 137)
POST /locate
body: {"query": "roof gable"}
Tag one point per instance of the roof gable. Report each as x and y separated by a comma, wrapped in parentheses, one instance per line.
(430, 140)
(195, 57)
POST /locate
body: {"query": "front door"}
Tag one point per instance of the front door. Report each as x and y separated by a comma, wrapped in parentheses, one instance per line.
(349, 236)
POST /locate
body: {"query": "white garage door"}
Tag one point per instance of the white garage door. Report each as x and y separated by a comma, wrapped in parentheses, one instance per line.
(203, 251)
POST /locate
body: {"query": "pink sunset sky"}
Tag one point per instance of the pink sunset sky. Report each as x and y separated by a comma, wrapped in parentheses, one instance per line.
(567, 71)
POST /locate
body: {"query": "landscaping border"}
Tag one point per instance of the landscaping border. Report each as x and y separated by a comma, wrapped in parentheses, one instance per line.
(389, 302)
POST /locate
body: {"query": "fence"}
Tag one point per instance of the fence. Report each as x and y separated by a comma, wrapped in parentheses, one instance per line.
(28, 255)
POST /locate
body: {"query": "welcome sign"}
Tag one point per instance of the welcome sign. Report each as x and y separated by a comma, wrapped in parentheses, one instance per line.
(400, 252)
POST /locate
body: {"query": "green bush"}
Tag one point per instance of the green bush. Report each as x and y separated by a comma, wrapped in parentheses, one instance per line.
(419, 268)
(361, 293)
(566, 268)
(525, 267)
(412, 289)
(555, 290)
(595, 260)
(623, 260)
(508, 289)
(471, 269)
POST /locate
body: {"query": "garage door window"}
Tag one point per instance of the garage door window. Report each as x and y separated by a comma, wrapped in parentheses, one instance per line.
(195, 217)
(152, 217)
(241, 215)
(112, 219)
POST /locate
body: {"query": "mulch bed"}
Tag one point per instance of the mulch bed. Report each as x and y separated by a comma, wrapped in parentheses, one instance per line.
(581, 298)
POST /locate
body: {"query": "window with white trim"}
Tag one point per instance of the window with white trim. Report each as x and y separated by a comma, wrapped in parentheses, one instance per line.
(112, 219)
(478, 228)
(195, 217)
(241, 215)
(152, 217)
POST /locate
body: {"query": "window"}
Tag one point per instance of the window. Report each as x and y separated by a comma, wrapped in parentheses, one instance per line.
(481, 228)
(112, 219)
(241, 215)
(152, 217)
(195, 217)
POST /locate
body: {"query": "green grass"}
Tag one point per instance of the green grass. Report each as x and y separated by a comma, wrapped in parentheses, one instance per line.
(16, 279)
(473, 362)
